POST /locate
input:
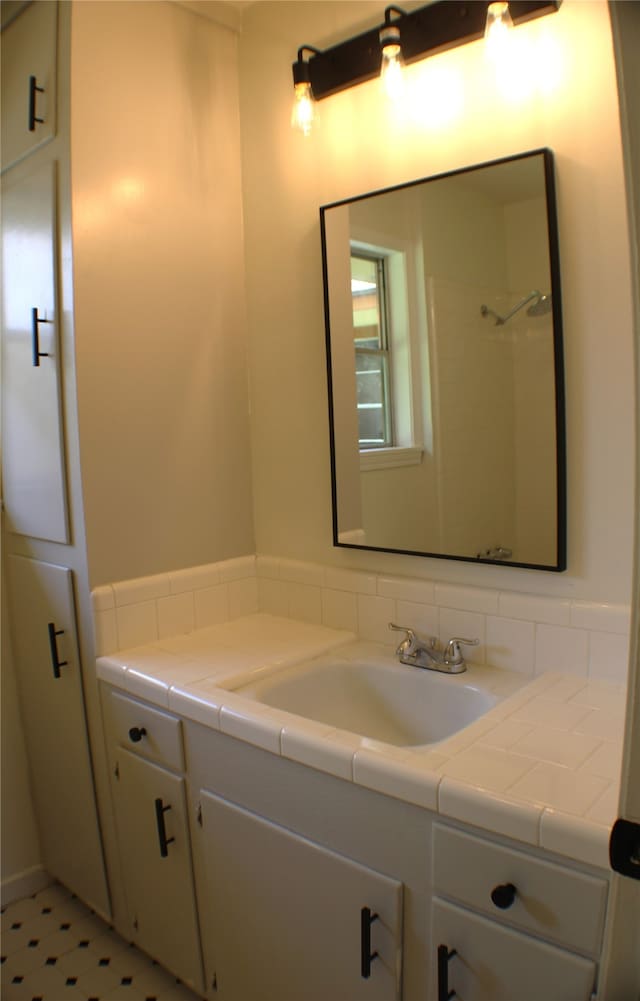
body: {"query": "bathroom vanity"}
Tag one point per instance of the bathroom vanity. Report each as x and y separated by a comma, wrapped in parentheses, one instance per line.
(271, 856)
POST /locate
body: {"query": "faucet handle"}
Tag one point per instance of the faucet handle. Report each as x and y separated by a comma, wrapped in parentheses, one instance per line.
(409, 641)
(452, 653)
(412, 641)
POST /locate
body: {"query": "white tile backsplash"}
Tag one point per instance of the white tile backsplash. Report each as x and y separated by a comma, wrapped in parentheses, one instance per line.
(374, 616)
(467, 599)
(562, 649)
(339, 610)
(608, 656)
(137, 624)
(510, 644)
(305, 602)
(131, 592)
(404, 589)
(525, 633)
(211, 605)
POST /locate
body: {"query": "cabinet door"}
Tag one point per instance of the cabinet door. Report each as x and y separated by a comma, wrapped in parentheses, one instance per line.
(286, 915)
(52, 705)
(33, 458)
(153, 834)
(29, 45)
(493, 963)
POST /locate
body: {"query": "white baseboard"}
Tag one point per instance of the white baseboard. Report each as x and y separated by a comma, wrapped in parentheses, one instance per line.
(24, 884)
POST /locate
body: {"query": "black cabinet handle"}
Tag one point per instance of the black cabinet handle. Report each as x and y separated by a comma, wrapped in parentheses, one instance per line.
(162, 832)
(503, 895)
(136, 733)
(35, 337)
(33, 90)
(366, 956)
(56, 663)
(444, 955)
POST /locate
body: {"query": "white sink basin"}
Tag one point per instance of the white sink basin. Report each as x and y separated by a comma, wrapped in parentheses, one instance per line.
(400, 705)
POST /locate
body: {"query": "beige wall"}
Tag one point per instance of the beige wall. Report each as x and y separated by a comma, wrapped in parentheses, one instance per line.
(570, 106)
(158, 285)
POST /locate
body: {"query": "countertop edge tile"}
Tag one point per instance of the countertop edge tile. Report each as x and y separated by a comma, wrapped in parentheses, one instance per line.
(489, 810)
(112, 670)
(195, 706)
(575, 837)
(411, 783)
(145, 686)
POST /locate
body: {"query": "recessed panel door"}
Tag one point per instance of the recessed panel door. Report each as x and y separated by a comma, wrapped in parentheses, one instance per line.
(291, 920)
(489, 962)
(32, 440)
(28, 80)
(51, 700)
(155, 852)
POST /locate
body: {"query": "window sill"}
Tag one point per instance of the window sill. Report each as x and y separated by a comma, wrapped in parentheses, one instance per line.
(389, 458)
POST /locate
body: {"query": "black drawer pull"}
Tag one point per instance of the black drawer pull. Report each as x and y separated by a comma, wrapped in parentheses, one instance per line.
(36, 353)
(503, 895)
(162, 831)
(33, 90)
(366, 956)
(136, 733)
(56, 663)
(444, 955)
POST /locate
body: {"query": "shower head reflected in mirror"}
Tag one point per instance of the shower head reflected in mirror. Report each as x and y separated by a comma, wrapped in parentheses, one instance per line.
(540, 307)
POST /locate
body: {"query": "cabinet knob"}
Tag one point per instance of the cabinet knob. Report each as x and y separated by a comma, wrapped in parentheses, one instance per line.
(503, 895)
(136, 733)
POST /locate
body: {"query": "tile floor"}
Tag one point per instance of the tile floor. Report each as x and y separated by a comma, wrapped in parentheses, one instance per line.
(55, 949)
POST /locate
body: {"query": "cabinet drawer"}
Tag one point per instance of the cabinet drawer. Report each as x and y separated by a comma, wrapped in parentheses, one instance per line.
(145, 731)
(494, 963)
(556, 903)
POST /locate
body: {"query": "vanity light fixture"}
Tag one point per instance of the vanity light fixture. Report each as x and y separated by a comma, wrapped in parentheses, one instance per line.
(391, 55)
(425, 31)
(303, 112)
(498, 26)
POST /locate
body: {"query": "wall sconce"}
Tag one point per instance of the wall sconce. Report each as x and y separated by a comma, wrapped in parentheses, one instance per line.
(303, 112)
(436, 27)
(391, 63)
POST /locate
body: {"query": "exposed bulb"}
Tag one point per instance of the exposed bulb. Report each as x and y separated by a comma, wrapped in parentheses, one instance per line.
(391, 75)
(499, 24)
(304, 113)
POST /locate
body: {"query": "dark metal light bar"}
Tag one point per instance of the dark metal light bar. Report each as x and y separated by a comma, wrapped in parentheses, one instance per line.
(425, 31)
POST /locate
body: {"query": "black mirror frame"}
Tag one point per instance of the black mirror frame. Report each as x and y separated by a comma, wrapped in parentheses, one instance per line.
(554, 267)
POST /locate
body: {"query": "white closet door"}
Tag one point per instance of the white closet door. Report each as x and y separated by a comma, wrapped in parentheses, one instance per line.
(33, 455)
(52, 706)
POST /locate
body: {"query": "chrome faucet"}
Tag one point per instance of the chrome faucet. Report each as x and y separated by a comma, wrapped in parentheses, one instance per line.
(425, 653)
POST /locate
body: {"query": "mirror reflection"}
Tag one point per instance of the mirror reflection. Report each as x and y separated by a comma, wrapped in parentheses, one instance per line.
(445, 366)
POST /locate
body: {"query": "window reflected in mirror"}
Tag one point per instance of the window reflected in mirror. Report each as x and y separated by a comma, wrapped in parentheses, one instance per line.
(445, 362)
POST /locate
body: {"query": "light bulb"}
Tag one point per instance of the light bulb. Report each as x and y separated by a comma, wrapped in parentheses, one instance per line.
(303, 113)
(391, 74)
(499, 24)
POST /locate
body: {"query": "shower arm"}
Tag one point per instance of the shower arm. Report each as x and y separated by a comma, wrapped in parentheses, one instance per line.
(500, 320)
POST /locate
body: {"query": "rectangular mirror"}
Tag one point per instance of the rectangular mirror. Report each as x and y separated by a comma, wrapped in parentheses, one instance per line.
(444, 358)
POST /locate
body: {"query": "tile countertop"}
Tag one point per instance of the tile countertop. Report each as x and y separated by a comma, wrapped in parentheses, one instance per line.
(543, 766)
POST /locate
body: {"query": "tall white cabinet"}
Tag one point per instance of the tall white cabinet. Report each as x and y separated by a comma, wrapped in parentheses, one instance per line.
(43, 532)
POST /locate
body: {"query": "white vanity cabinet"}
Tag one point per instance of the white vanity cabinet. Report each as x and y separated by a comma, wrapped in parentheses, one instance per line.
(28, 79)
(507, 925)
(148, 792)
(293, 920)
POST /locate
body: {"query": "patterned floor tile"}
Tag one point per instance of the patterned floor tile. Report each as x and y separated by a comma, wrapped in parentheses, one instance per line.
(54, 948)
